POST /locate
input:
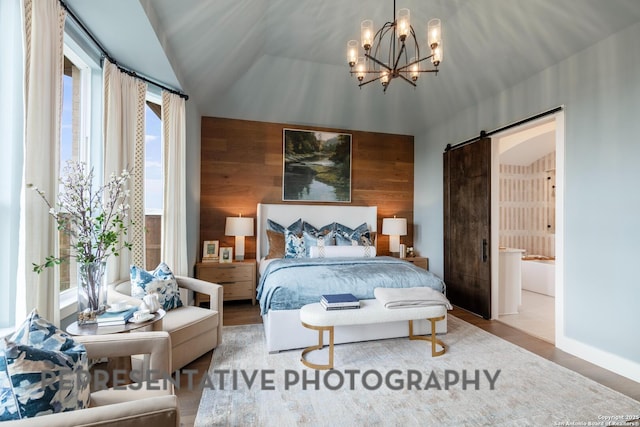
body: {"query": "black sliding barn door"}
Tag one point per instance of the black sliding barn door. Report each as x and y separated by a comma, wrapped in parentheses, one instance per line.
(467, 226)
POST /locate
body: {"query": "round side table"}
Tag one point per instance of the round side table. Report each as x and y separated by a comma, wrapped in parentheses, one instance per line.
(94, 329)
(119, 363)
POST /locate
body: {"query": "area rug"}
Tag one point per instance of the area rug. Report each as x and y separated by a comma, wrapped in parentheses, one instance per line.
(482, 380)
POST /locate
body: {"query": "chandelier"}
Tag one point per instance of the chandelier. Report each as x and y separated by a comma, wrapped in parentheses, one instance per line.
(393, 51)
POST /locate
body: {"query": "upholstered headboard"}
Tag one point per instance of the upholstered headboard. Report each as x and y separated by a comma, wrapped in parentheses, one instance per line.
(317, 215)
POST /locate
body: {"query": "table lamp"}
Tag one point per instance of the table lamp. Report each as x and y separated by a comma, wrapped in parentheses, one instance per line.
(394, 227)
(239, 227)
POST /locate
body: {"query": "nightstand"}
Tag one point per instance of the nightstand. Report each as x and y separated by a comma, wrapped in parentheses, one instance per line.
(419, 261)
(238, 279)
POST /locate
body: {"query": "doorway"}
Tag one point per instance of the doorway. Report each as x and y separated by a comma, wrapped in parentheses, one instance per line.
(526, 211)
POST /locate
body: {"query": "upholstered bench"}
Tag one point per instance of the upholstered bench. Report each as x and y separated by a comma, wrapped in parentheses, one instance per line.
(314, 316)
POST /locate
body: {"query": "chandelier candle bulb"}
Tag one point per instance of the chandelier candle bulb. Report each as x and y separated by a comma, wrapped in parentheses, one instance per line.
(404, 23)
(434, 31)
(366, 31)
(414, 73)
(437, 55)
(360, 68)
(352, 52)
(384, 77)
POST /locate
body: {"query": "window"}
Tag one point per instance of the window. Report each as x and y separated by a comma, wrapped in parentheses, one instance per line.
(153, 181)
(73, 143)
(11, 129)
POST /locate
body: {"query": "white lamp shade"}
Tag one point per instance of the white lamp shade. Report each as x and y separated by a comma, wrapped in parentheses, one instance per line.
(238, 226)
(394, 226)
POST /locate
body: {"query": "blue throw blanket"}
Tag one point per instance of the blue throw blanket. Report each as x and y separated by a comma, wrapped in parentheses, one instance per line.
(288, 284)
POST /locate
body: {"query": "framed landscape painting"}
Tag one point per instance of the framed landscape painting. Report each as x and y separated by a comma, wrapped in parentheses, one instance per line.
(316, 166)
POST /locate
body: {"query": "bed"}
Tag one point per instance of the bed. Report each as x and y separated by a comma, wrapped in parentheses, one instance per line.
(283, 286)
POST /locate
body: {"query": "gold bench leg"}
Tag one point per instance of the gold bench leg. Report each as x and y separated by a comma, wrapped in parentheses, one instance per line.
(433, 338)
(321, 330)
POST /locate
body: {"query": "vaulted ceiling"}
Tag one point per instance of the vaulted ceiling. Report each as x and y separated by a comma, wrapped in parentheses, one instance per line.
(285, 60)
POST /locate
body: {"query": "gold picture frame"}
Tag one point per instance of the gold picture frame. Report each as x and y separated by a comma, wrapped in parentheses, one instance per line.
(210, 250)
(226, 254)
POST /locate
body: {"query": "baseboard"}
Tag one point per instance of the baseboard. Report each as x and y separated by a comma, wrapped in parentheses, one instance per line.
(606, 360)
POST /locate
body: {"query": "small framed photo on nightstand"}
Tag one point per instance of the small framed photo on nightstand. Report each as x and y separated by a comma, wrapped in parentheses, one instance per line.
(226, 254)
(210, 250)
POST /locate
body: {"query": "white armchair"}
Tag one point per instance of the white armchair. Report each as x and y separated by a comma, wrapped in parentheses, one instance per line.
(139, 405)
(194, 330)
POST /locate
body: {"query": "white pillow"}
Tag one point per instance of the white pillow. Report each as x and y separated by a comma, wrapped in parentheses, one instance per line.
(342, 252)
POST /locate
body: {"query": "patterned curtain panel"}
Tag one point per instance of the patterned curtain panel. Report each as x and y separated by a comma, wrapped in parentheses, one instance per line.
(174, 211)
(124, 130)
(44, 59)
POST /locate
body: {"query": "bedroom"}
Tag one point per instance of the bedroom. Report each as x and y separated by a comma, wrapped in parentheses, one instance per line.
(593, 79)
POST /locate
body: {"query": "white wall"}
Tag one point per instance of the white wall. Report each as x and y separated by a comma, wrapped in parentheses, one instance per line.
(600, 89)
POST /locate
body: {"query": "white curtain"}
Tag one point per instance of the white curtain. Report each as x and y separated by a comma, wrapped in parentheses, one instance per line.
(44, 60)
(173, 249)
(124, 132)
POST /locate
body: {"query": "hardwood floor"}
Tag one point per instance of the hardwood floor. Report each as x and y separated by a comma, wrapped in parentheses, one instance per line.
(242, 313)
(550, 352)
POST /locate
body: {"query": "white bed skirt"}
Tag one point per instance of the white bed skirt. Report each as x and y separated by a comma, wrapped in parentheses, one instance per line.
(283, 331)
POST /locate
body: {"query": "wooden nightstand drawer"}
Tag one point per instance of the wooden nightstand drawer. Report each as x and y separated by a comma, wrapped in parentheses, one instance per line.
(238, 290)
(226, 273)
(419, 261)
(237, 278)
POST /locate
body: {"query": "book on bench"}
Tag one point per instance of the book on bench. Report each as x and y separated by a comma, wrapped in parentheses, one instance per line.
(338, 307)
(339, 301)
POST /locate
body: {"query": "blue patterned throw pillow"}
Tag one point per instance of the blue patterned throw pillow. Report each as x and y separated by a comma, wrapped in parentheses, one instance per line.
(327, 232)
(161, 280)
(293, 245)
(8, 401)
(311, 240)
(45, 371)
(360, 236)
(295, 227)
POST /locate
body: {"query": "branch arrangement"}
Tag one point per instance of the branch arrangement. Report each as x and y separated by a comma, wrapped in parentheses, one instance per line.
(96, 221)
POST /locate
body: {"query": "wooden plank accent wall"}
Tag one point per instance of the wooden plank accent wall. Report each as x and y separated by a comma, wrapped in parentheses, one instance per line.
(241, 166)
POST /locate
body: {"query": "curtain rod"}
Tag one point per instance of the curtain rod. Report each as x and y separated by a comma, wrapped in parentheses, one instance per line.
(484, 134)
(122, 68)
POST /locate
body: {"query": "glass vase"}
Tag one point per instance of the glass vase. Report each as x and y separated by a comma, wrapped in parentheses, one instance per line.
(92, 292)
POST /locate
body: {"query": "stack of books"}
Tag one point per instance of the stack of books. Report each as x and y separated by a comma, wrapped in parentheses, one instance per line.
(339, 302)
(116, 319)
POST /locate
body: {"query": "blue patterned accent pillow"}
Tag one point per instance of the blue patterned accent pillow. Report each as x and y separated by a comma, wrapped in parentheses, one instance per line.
(45, 369)
(295, 227)
(346, 236)
(341, 240)
(161, 280)
(293, 245)
(311, 240)
(8, 401)
(327, 232)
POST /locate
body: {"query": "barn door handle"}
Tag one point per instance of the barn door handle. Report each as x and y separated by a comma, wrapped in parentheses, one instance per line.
(484, 250)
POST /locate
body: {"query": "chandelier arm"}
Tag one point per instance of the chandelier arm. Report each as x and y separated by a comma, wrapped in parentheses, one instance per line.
(415, 41)
(382, 64)
(391, 52)
(414, 62)
(380, 35)
(378, 38)
(364, 72)
(395, 65)
(369, 81)
(407, 80)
